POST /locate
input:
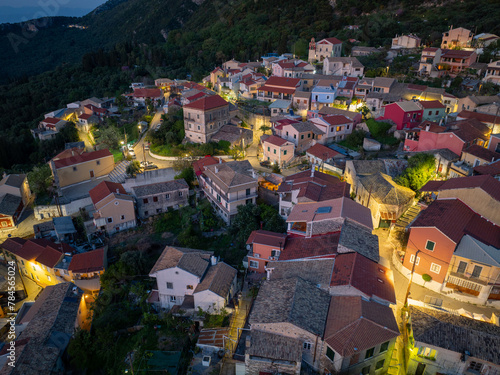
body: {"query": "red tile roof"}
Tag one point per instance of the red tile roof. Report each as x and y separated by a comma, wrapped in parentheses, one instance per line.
(332, 40)
(365, 275)
(51, 120)
(483, 117)
(417, 87)
(80, 158)
(265, 237)
(485, 182)
(470, 129)
(430, 49)
(13, 244)
(199, 165)
(354, 325)
(322, 246)
(482, 153)
(492, 169)
(433, 127)
(147, 93)
(322, 152)
(275, 140)
(207, 103)
(431, 104)
(283, 82)
(196, 96)
(337, 119)
(455, 219)
(91, 261)
(41, 251)
(104, 189)
(276, 89)
(459, 54)
(84, 116)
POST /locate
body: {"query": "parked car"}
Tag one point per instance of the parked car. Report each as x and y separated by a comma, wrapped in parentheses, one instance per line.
(132, 153)
(148, 165)
(146, 146)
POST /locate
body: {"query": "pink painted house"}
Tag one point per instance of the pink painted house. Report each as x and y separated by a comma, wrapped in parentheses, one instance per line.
(406, 114)
(264, 246)
(277, 150)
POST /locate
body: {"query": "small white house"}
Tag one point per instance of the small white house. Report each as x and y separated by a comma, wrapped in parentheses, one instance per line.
(192, 278)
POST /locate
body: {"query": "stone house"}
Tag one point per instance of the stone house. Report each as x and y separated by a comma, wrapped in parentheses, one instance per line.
(204, 117)
(154, 199)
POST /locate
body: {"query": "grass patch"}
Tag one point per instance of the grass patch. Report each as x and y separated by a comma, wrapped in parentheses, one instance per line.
(117, 155)
(379, 130)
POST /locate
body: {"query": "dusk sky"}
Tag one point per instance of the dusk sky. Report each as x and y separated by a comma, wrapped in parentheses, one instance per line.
(20, 10)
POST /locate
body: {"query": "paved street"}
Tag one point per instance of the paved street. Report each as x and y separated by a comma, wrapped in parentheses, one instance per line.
(24, 226)
(418, 292)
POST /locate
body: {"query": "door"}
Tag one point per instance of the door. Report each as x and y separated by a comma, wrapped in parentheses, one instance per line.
(420, 369)
(91, 174)
(461, 267)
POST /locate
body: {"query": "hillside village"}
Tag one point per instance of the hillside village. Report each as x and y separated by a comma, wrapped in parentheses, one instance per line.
(282, 216)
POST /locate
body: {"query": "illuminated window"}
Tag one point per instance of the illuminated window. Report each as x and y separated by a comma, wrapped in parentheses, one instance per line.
(189, 287)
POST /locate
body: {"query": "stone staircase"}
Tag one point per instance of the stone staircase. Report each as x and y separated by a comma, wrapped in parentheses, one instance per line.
(119, 173)
(410, 215)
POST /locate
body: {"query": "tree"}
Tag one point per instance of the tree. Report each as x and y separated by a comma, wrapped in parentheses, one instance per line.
(110, 136)
(264, 128)
(365, 111)
(188, 175)
(420, 169)
(133, 168)
(40, 179)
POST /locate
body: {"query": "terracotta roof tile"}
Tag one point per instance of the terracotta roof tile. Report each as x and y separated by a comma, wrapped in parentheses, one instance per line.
(483, 117)
(199, 165)
(431, 104)
(148, 93)
(492, 169)
(485, 182)
(322, 246)
(265, 237)
(90, 261)
(207, 103)
(79, 158)
(482, 153)
(104, 189)
(364, 274)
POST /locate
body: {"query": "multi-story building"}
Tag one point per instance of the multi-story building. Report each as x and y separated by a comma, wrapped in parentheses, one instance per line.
(493, 73)
(264, 247)
(433, 110)
(192, 279)
(343, 66)
(278, 88)
(277, 150)
(334, 127)
(229, 185)
(154, 199)
(301, 134)
(457, 38)
(329, 47)
(114, 208)
(404, 114)
(406, 41)
(204, 117)
(74, 166)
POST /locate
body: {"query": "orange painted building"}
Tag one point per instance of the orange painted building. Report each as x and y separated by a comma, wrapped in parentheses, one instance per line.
(265, 246)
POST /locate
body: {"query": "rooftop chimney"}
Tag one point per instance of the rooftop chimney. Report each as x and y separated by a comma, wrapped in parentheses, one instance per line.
(427, 127)
(117, 191)
(216, 169)
(312, 171)
(213, 260)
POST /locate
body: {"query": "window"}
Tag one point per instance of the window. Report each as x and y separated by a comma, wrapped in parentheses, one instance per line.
(275, 253)
(412, 259)
(295, 136)
(180, 193)
(145, 201)
(117, 203)
(122, 217)
(110, 219)
(167, 196)
(365, 370)
(302, 136)
(339, 128)
(190, 287)
(462, 266)
(369, 353)
(155, 199)
(248, 192)
(49, 278)
(308, 135)
(268, 148)
(477, 271)
(248, 201)
(436, 268)
(426, 352)
(384, 347)
(476, 366)
(379, 364)
(170, 285)
(284, 152)
(254, 264)
(330, 354)
(146, 213)
(22, 262)
(173, 299)
(307, 345)
(430, 245)
(274, 151)
(74, 169)
(37, 277)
